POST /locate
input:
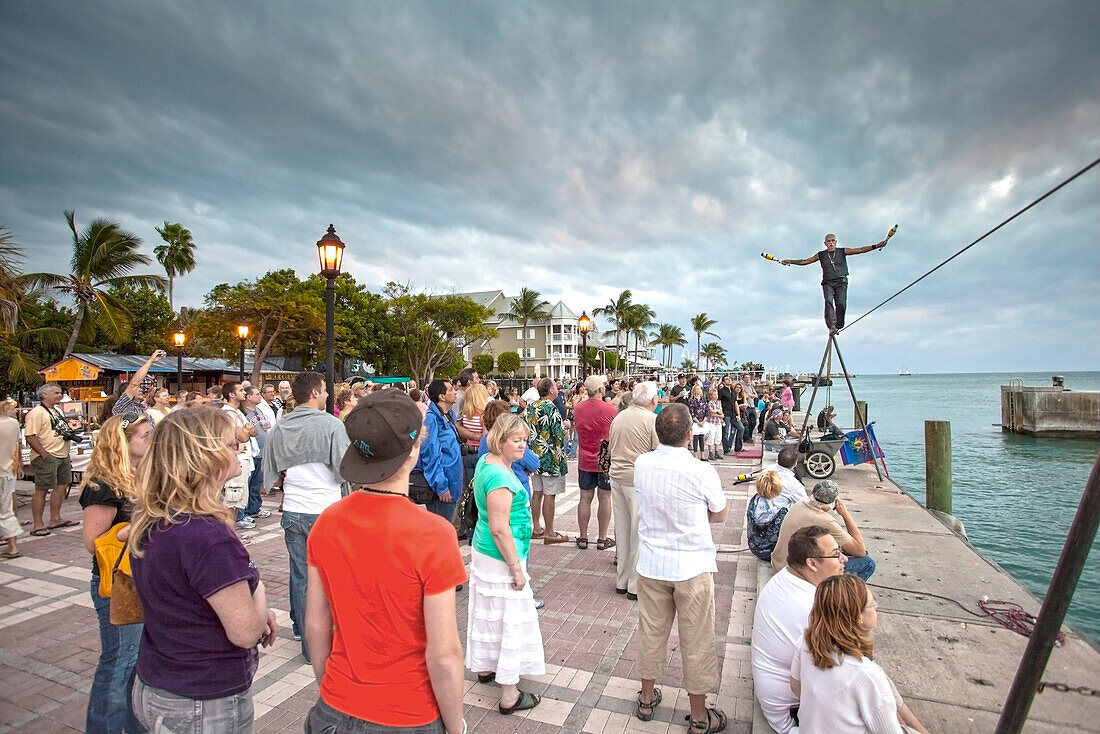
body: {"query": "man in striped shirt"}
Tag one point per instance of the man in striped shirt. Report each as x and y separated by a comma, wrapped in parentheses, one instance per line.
(678, 498)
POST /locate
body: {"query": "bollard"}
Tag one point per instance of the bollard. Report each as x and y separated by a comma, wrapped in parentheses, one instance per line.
(937, 465)
(860, 414)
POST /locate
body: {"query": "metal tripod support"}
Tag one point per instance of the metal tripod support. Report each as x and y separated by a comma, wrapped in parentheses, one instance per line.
(830, 347)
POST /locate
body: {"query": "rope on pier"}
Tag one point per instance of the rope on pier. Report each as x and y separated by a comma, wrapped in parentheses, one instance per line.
(1008, 614)
(1065, 183)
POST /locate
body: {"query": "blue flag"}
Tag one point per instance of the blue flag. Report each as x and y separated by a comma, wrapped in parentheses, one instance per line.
(857, 450)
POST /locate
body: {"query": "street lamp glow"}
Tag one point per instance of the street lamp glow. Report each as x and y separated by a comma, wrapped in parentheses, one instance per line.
(242, 331)
(584, 324)
(330, 253)
(179, 339)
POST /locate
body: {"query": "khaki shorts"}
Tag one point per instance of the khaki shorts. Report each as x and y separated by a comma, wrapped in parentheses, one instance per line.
(691, 604)
(51, 471)
(547, 485)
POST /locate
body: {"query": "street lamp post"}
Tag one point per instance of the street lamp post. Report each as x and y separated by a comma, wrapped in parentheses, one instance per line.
(179, 338)
(585, 325)
(603, 360)
(242, 334)
(330, 251)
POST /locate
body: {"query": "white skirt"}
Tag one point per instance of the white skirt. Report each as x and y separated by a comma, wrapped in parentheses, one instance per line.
(502, 627)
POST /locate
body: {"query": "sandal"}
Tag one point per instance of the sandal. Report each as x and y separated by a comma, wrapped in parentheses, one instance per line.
(486, 677)
(605, 543)
(537, 535)
(643, 710)
(9, 555)
(524, 702)
(582, 543)
(710, 725)
(555, 538)
(40, 532)
(63, 524)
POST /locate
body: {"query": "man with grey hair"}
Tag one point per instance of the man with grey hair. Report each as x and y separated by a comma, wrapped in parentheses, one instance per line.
(632, 434)
(816, 511)
(46, 431)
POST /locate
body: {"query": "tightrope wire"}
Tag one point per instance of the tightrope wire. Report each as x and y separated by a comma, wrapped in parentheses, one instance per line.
(1041, 198)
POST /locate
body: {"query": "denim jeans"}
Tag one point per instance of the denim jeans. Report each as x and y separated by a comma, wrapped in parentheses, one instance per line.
(255, 486)
(862, 567)
(161, 711)
(443, 509)
(750, 423)
(109, 700)
(836, 301)
(324, 719)
(296, 527)
(733, 432)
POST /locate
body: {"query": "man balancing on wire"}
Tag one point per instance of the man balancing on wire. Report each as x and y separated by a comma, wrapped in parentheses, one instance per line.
(834, 276)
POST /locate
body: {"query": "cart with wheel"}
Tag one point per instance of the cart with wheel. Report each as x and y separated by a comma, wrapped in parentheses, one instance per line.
(817, 456)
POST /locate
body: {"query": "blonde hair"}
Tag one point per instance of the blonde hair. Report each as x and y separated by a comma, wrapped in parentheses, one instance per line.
(506, 425)
(769, 484)
(7, 405)
(183, 471)
(834, 621)
(110, 461)
(477, 397)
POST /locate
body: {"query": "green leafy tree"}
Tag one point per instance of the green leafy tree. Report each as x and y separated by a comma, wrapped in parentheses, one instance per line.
(177, 254)
(667, 337)
(714, 353)
(435, 329)
(700, 325)
(635, 321)
(528, 306)
(508, 362)
(104, 255)
(152, 319)
(362, 327)
(615, 310)
(483, 363)
(687, 365)
(34, 328)
(11, 257)
(279, 309)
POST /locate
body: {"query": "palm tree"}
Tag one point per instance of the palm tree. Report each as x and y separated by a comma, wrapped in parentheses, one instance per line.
(177, 254)
(715, 354)
(635, 321)
(687, 365)
(11, 255)
(103, 256)
(527, 306)
(615, 310)
(668, 336)
(699, 324)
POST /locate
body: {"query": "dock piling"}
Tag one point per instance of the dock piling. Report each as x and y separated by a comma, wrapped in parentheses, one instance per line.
(937, 465)
(860, 413)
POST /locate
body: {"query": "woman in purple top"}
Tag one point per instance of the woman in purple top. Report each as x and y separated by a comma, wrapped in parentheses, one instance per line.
(205, 608)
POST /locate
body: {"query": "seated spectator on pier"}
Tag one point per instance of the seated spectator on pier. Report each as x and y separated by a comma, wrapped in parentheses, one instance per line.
(787, 423)
(402, 668)
(503, 639)
(781, 617)
(840, 686)
(815, 511)
(765, 513)
(773, 429)
(826, 425)
(793, 489)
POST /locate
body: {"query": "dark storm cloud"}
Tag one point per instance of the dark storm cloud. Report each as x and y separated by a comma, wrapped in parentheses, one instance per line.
(661, 145)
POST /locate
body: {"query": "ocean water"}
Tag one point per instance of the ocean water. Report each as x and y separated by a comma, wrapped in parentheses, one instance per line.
(1016, 495)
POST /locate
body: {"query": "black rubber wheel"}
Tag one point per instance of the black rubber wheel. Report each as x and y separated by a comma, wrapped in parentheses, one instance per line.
(820, 465)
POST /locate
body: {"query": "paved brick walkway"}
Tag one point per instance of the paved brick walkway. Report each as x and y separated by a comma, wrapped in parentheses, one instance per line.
(49, 641)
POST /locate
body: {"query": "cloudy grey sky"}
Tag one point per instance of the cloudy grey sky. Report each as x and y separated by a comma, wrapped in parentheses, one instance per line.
(583, 148)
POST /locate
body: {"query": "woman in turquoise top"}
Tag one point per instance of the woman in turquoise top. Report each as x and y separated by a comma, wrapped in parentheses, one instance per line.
(503, 639)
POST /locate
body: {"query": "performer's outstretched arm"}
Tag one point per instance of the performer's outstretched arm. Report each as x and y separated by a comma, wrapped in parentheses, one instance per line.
(804, 261)
(866, 248)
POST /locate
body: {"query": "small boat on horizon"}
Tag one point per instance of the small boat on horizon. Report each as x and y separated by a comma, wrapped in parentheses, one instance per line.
(904, 372)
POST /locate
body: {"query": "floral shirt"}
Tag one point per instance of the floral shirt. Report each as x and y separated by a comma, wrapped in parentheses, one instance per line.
(547, 437)
(698, 409)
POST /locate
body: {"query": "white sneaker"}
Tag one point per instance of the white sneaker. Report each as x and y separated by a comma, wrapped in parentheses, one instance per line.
(246, 524)
(262, 514)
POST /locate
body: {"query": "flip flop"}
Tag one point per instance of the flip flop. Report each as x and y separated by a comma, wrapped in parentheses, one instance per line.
(555, 538)
(539, 534)
(40, 532)
(486, 677)
(524, 702)
(9, 555)
(65, 524)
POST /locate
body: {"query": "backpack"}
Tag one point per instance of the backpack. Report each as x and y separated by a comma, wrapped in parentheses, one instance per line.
(762, 537)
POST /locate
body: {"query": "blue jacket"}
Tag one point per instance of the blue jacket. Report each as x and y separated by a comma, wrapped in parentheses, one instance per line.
(529, 463)
(440, 457)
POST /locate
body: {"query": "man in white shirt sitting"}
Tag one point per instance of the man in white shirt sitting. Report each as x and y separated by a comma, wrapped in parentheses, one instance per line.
(782, 613)
(677, 498)
(793, 488)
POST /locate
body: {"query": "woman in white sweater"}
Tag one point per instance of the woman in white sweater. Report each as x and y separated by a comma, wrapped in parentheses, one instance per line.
(841, 688)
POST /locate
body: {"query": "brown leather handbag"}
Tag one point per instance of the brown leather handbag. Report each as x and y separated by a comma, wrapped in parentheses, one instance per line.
(125, 605)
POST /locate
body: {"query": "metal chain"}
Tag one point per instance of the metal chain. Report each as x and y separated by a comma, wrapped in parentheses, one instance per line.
(1063, 688)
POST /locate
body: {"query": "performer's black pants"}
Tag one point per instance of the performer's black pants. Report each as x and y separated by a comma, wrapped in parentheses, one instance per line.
(836, 299)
